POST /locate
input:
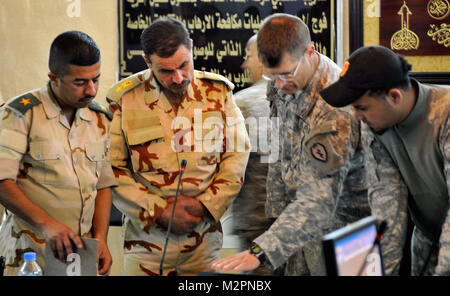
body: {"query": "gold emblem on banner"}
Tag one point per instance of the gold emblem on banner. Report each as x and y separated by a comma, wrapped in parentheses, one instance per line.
(440, 35)
(404, 39)
(438, 9)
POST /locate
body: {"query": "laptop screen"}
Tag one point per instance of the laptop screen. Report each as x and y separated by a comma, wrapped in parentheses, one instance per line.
(351, 251)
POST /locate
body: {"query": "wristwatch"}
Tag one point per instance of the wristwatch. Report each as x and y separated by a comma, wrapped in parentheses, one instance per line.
(256, 251)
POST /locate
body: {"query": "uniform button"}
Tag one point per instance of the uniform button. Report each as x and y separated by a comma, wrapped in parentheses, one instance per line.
(151, 213)
(58, 156)
(93, 156)
(70, 136)
(217, 207)
(39, 156)
(75, 162)
(289, 135)
(207, 198)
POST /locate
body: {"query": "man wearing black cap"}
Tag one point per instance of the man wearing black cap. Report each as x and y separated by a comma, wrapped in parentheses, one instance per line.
(406, 138)
(317, 184)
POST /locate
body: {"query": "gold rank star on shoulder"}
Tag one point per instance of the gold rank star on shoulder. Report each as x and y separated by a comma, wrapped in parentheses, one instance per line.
(25, 101)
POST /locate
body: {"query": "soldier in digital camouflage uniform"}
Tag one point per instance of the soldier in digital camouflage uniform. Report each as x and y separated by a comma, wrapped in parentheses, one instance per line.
(163, 115)
(249, 219)
(406, 138)
(317, 184)
(54, 158)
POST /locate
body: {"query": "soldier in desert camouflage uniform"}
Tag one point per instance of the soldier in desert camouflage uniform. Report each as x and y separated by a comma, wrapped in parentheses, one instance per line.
(406, 138)
(54, 158)
(317, 185)
(163, 115)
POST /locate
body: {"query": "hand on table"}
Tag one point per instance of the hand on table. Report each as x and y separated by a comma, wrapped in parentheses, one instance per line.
(243, 261)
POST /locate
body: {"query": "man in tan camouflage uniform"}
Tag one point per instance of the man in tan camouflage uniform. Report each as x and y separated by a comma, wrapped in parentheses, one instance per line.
(406, 137)
(317, 184)
(163, 115)
(54, 158)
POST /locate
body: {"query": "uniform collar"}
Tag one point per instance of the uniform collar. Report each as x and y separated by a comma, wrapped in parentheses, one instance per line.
(52, 108)
(419, 108)
(85, 114)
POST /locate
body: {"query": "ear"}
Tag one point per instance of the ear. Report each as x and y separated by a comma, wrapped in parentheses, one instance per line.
(395, 96)
(53, 78)
(147, 61)
(310, 50)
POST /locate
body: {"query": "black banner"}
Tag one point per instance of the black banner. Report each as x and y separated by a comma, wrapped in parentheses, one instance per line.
(220, 30)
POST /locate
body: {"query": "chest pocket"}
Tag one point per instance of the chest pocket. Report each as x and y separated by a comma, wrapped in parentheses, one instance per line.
(96, 155)
(147, 146)
(208, 138)
(47, 163)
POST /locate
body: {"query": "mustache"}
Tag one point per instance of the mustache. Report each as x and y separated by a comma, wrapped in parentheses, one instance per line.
(183, 83)
(88, 97)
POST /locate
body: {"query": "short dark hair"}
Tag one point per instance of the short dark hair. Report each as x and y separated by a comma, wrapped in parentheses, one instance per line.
(281, 33)
(72, 47)
(163, 37)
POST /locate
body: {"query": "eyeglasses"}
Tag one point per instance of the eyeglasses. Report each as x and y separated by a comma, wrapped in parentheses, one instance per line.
(284, 77)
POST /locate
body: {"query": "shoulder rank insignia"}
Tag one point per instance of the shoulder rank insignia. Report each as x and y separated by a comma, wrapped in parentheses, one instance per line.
(216, 77)
(127, 84)
(97, 107)
(23, 103)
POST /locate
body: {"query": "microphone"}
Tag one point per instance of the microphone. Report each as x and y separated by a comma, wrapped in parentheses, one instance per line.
(182, 167)
(380, 231)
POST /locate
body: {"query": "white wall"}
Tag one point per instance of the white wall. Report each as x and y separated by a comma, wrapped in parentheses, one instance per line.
(27, 28)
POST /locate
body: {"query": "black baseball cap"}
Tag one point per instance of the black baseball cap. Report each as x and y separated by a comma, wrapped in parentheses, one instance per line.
(367, 68)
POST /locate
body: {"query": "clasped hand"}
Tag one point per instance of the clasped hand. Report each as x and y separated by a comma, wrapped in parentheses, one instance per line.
(188, 214)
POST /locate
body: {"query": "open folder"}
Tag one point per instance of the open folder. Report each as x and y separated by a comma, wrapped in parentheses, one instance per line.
(83, 262)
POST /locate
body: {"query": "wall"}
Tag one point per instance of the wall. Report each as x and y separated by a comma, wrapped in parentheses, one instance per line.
(372, 36)
(27, 28)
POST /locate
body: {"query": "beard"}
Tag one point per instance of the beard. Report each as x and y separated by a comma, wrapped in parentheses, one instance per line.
(174, 90)
(179, 89)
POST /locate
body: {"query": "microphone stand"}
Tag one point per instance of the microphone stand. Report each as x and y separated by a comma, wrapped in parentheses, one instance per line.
(183, 166)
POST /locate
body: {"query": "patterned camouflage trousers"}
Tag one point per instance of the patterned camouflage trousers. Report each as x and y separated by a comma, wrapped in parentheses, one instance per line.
(185, 255)
(420, 251)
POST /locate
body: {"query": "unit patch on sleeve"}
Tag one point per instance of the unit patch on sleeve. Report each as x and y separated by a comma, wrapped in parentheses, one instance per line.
(319, 152)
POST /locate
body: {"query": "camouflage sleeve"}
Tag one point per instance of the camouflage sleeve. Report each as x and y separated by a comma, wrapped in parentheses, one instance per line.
(106, 175)
(443, 266)
(14, 129)
(324, 168)
(131, 197)
(276, 199)
(388, 199)
(230, 174)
